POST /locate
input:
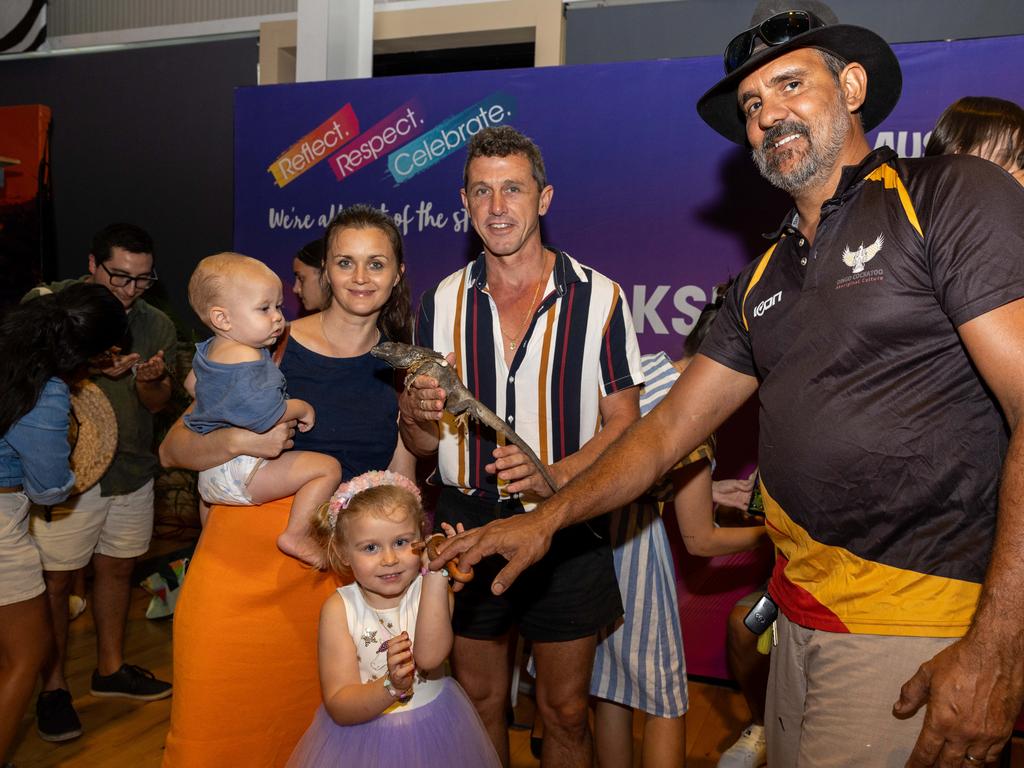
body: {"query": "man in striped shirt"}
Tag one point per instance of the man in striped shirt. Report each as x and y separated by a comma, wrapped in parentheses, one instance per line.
(549, 345)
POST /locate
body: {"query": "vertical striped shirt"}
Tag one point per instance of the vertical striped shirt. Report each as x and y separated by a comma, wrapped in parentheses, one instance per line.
(579, 347)
(659, 376)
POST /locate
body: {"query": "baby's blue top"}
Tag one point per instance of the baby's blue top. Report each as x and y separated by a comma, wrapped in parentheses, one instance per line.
(248, 395)
(34, 453)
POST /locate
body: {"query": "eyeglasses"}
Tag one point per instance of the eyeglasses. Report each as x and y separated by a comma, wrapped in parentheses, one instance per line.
(142, 282)
(775, 30)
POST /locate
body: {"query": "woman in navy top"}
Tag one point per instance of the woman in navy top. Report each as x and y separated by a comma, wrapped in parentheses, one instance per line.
(44, 345)
(245, 671)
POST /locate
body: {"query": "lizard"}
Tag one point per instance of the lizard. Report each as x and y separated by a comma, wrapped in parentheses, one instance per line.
(459, 401)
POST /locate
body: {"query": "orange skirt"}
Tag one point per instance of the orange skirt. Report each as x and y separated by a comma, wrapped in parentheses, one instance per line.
(245, 637)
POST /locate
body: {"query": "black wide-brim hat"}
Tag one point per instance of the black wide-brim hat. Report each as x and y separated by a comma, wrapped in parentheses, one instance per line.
(720, 109)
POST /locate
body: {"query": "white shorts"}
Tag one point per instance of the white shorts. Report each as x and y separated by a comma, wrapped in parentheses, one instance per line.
(227, 484)
(116, 526)
(21, 570)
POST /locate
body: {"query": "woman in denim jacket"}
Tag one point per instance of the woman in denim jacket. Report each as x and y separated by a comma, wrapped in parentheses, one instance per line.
(44, 345)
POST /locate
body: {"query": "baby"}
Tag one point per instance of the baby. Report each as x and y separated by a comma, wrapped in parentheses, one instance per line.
(236, 384)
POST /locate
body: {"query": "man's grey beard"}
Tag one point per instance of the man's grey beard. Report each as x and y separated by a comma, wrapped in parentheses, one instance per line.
(817, 163)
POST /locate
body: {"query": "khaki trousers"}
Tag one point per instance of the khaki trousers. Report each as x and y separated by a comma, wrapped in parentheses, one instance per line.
(830, 698)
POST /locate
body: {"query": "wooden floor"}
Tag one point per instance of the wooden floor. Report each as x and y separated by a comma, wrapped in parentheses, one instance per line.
(120, 732)
(717, 715)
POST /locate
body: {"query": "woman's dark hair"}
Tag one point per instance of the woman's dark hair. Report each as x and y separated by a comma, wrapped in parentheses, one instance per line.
(395, 321)
(53, 335)
(975, 122)
(312, 253)
(703, 325)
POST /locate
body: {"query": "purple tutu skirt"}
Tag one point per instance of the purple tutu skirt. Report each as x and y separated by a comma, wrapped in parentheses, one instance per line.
(446, 733)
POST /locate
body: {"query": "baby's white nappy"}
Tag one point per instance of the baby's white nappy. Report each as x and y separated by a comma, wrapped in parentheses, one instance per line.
(226, 484)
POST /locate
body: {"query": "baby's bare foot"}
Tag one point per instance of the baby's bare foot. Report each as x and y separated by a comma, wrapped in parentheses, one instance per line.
(301, 548)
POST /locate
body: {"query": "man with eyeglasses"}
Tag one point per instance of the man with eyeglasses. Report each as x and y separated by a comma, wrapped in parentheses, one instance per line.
(111, 523)
(883, 331)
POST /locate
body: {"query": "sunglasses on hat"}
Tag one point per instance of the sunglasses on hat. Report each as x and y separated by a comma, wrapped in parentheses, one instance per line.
(775, 30)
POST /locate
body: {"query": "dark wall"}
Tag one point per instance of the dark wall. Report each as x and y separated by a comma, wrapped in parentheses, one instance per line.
(141, 135)
(703, 27)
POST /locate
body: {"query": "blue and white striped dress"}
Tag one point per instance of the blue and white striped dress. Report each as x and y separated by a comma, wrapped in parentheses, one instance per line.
(639, 662)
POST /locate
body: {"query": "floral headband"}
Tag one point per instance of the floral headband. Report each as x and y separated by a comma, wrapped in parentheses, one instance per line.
(364, 482)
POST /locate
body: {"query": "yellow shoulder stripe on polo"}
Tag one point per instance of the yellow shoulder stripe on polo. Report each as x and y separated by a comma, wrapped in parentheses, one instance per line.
(891, 180)
(753, 281)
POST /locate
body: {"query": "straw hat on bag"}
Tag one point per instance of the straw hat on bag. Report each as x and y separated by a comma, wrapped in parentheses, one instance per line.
(93, 435)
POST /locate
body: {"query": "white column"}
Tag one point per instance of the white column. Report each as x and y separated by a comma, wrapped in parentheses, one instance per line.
(334, 40)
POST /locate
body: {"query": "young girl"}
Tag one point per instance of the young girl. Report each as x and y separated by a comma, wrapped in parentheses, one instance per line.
(384, 640)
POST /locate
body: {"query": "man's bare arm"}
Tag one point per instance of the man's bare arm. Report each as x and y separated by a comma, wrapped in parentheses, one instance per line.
(703, 397)
(619, 411)
(974, 688)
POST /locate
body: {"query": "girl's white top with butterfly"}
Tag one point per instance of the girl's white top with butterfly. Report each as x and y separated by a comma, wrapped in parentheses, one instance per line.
(372, 627)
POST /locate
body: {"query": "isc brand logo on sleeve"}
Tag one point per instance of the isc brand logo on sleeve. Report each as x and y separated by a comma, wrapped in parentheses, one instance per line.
(767, 304)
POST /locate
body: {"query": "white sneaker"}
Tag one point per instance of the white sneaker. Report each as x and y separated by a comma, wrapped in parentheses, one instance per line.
(749, 751)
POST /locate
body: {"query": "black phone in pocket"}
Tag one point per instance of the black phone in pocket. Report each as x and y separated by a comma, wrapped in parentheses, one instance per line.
(761, 616)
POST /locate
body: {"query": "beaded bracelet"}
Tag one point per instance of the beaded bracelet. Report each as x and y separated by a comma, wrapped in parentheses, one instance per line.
(396, 694)
(427, 572)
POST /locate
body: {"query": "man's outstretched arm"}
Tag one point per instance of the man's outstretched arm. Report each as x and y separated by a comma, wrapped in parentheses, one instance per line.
(703, 397)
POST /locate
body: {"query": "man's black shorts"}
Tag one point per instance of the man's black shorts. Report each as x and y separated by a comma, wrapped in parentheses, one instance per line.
(569, 594)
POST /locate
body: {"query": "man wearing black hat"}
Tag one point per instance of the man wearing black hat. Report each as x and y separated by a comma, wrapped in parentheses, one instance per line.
(884, 333)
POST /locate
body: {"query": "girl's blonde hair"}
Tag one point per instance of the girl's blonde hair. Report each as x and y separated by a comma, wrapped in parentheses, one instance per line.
(330, 526)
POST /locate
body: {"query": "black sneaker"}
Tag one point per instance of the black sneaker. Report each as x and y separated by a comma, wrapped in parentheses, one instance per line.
(131, 682)
(56, 719)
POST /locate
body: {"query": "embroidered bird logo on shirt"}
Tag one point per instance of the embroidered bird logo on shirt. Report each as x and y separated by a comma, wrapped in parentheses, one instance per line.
(858, 258)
